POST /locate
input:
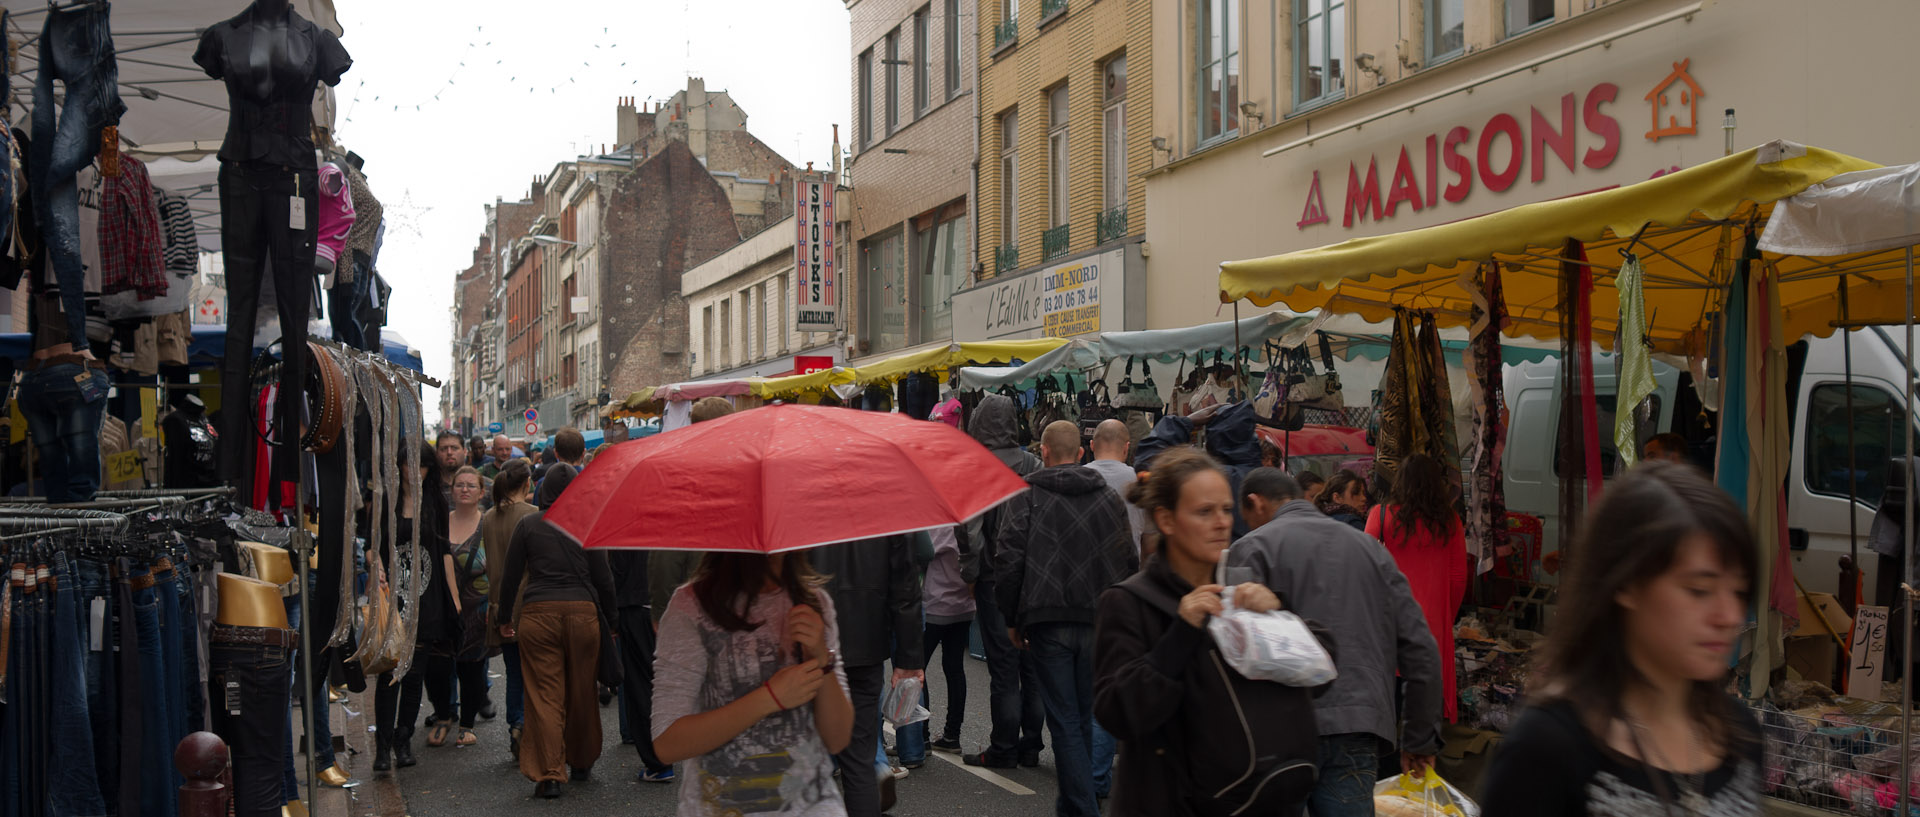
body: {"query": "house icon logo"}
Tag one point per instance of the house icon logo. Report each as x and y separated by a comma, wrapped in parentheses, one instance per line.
(1682, 119)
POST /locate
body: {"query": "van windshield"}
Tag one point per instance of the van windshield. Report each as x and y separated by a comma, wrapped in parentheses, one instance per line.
(1875, 422)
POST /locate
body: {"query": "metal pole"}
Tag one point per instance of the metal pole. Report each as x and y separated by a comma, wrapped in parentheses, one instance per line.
(1853, 488)
(301, 548)
(1906, 692)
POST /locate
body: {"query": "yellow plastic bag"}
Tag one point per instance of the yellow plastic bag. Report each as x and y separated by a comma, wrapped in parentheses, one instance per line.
(1422, 795)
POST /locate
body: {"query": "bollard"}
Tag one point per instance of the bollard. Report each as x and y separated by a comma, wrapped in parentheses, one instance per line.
(202, 759)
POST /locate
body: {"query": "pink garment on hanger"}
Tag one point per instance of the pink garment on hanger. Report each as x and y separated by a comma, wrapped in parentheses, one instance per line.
(336, 215)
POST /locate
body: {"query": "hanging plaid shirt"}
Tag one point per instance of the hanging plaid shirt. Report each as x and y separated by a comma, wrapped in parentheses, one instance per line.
(130, 239)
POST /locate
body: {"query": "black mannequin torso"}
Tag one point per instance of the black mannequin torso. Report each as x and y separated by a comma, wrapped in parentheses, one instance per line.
(268, 55)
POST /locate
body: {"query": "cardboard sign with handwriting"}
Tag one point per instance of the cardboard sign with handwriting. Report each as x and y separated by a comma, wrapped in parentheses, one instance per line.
(1868, 669)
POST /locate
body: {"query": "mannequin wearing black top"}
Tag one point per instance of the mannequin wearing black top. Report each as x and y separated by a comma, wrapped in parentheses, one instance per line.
(271, 60)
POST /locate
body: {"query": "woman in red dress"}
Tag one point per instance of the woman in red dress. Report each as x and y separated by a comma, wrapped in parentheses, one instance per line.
(1421, 530)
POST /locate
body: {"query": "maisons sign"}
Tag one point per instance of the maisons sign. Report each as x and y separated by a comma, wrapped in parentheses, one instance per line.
(1577, 133)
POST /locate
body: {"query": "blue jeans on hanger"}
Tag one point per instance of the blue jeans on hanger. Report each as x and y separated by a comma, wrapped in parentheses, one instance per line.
(95, 585)
(157, 795)
(76, 47)
(73, 787)
(21, 709)
(63, 404)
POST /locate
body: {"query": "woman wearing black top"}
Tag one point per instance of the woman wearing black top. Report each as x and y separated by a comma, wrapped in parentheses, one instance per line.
(1345, 498)
(1631, 717)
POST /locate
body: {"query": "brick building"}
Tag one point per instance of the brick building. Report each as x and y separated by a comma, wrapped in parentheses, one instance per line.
(1064, 141)
(470, 398)
(741, 312)
(914, 145)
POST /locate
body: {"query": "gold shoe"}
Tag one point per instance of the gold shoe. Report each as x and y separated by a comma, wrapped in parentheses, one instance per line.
(294, 809)
(334, 695)
(336, 777)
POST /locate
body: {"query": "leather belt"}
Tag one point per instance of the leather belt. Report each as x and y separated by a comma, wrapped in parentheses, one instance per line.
(141, 581)
(264, 636)
(327, 393)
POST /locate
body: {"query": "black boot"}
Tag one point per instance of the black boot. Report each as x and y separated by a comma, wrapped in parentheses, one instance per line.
(403, 747)
(382, 752)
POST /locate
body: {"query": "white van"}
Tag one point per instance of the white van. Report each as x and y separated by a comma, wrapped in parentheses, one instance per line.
(1817, 504)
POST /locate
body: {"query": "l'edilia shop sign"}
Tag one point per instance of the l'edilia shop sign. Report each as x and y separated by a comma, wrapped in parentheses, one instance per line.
(1447, 165)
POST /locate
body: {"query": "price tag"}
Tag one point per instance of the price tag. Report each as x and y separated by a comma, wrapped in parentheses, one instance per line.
(296, 213)
(123, 467)
(233, 697)
(96, 624)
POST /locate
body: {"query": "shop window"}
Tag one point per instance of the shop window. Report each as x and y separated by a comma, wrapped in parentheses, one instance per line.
(1009, 179)
(1875, 422)
(944, 272)
(866, 98)
(1446, 29)
(726, 334)
(1525, 14)
(1113, 135)
(884, 284)
(893, 81)
(760, 321)
(951, 32)
(1609, 455)
(922, 65)
(1057, 156)
(1218, 69)
(1319, 48)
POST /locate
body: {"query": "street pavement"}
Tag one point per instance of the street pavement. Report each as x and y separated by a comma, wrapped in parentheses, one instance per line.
(484, 780)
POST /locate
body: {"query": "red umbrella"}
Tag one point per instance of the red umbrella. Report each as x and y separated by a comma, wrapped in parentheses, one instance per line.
(782, 478)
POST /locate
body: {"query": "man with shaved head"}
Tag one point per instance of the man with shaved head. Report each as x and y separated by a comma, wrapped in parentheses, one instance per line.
(1111, 444)
(1062, 543)
(502, 451)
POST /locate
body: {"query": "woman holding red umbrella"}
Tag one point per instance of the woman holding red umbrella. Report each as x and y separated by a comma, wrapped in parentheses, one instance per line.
(747, 687)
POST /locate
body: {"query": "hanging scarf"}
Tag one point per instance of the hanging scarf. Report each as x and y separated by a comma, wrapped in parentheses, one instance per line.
(1486, 515)
(1395, 406)
(1633, 357)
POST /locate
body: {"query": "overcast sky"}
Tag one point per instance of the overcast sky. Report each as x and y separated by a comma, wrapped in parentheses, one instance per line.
(534, 84)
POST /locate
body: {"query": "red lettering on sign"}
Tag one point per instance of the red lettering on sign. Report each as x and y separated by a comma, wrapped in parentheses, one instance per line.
(1362, 196)
(1601, 125)
(1500, 180)
(1433, 169)
(1316, 209)
(1461, 167)
(1544, 135)
(1404, 188)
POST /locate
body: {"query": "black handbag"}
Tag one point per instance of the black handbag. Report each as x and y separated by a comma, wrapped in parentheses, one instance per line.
(612, 669)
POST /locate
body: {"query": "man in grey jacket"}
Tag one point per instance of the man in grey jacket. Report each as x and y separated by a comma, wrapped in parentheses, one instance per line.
(1344, 579)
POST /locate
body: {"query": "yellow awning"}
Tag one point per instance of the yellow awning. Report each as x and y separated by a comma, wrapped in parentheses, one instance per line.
(801, 383)
(939, 359)
(1685, 226)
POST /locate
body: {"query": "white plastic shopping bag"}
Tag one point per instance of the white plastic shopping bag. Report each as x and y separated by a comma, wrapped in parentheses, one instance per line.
(901, 705)
(1271, 646)
(1421, 795)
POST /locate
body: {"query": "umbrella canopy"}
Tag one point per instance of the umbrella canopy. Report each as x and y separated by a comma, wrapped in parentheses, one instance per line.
(1685, 226)
(782, 478)
(1314, 440)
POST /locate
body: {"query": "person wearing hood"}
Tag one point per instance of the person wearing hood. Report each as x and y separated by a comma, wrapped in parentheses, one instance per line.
(1231, 439)
(1014, 699)
(1062, 543)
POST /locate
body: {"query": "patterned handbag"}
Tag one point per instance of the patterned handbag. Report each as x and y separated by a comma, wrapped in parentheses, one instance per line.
(1272, 405)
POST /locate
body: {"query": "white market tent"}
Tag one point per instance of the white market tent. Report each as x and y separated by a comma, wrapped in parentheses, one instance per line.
(176, 115)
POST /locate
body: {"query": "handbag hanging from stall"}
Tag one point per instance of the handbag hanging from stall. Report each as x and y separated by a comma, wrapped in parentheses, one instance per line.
(1271, 404)
(1139, 395)
(1096, 407)
(1318, 391)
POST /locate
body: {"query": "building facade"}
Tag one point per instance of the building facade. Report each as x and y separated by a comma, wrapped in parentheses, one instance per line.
(910, 210)
(741, 312)
(472, 395)
(1337, 120)
(1064, 136)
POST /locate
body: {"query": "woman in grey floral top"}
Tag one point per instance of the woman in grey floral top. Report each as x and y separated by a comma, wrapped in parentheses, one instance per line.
(748, 692)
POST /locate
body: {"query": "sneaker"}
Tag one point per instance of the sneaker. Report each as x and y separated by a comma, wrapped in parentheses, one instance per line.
(987, 761)
(1030, 759)
(662, 776)
(900, 773)
(913, 764)
(946, 744)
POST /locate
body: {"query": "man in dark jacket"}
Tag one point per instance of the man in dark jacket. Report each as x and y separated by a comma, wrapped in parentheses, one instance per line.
(1347, 582)
(1014, 686)
(1231, 439)
(875, 588)
(634, 629)
(1063, 543)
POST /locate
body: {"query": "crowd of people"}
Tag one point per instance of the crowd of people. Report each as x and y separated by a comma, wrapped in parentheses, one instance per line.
(761, 676)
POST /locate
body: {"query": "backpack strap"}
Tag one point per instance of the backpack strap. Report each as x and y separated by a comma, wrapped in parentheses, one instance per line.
(1152, 593)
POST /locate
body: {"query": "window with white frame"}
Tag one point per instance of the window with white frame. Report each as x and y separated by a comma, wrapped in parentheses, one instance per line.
(726, 334)
(1525, 14)
(706, 337)
(922, 64)
(1009, 177)
(1218, 69)
(866, 99)
(893, 81)
(951, 31)
(944, 248)
(780, 313)
(1446, 29)
(1114, 133)
(1319, 48)
(1057, 156)
(760, 321)
(884, 280)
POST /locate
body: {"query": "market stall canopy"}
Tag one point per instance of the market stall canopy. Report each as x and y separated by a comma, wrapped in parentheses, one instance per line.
(1863, 223)
(1686, 227)
(794, 384)
(939, 359)
(1164, 345)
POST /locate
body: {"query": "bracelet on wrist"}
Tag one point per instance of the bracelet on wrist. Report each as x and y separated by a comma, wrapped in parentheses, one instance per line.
(768, 686)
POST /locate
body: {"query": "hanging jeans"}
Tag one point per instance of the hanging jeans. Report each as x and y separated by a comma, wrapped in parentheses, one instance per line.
(156, 711)
(250, 672)
(76, 48)
(126, 662)
(97, 603)
(63, 404)
(73, 785)
(23, 729)
(255, 207)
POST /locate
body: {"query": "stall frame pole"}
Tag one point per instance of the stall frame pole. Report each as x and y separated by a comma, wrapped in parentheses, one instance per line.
(1906, 691)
